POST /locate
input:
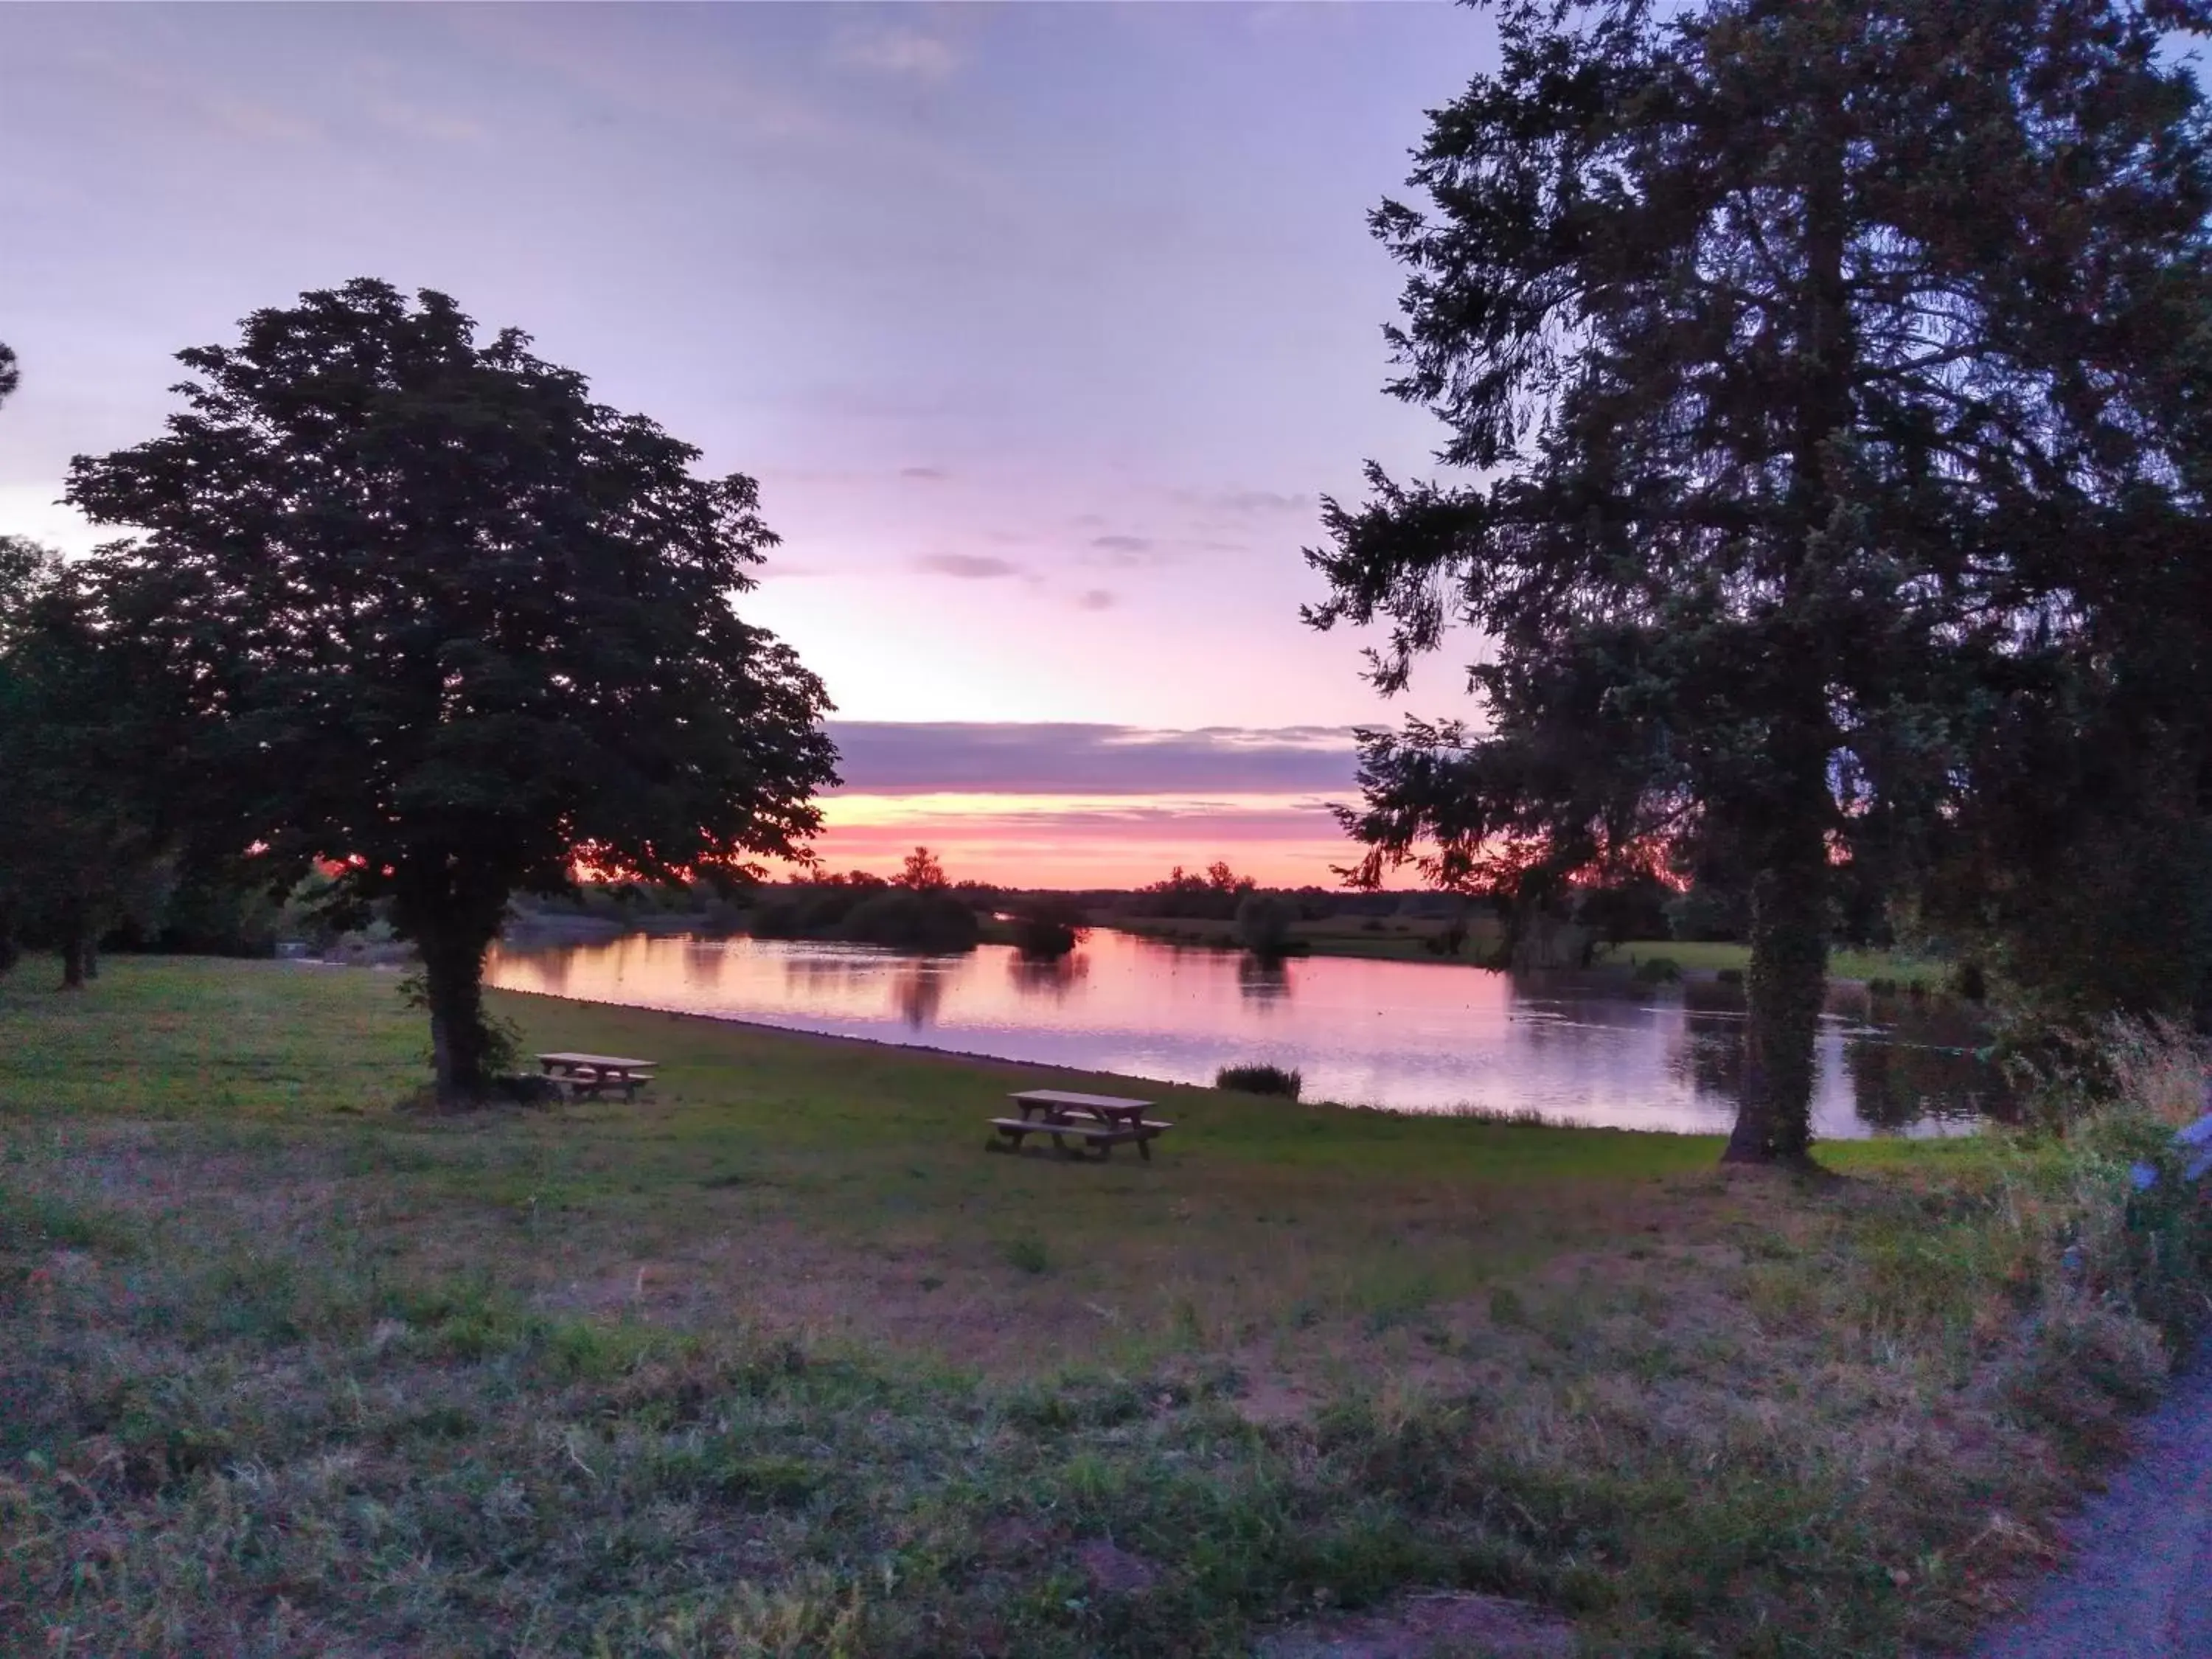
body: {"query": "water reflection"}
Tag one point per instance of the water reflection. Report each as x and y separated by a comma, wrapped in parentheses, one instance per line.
(1590, 1048)
(1054, 979)
(1263, 979)
(919, 991)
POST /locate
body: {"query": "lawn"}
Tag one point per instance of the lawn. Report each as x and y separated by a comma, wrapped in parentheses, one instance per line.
(779, 1361)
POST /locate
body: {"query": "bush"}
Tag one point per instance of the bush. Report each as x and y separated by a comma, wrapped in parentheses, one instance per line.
(1260, 1081)
(1658, 970)
(1049, 926)
(1264, 922)
(904, 919)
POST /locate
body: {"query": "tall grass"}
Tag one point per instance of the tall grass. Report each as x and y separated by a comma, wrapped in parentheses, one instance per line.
(1260, 1081)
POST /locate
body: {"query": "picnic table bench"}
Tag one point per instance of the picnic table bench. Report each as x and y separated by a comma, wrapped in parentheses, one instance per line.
(1104, 1121)
(589, 1075)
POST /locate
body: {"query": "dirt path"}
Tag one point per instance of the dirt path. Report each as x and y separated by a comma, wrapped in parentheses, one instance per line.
(2139, 1583)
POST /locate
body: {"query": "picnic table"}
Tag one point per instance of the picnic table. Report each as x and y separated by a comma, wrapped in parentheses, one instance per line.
(1103, 1122)
(589, 1075)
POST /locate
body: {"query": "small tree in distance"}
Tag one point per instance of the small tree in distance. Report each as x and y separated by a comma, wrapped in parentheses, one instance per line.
(442, 621)
(923, 872)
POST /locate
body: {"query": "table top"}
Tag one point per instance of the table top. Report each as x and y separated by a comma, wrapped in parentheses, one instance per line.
(605, 1061)
(1068, 1097)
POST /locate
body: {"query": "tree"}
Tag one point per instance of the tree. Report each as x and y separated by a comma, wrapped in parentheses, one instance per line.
(11, 374)
(923, 872)
(81, 846)
(1799, 356)
(444, 620)
(1264, 921)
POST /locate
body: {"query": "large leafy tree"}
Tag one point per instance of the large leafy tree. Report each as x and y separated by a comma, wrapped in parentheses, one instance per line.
(452, 628)
(1798, 360)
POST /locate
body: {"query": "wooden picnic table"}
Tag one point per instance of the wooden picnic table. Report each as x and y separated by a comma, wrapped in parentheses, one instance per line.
(1103, 1122)
(589, 1074)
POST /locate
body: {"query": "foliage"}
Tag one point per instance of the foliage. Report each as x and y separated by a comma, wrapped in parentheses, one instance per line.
(868, 910)
(1214, 895)
(1048, 925)
(1264, 921)
(10, 372)
(923, 872)
(441, 619)
(1260, 1081)
(936, 922)
(1814, 367)
(1632, 907)
(82, 846)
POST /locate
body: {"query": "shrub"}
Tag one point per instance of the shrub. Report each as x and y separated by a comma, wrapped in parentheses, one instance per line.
(1658, 970)
(1263, 923)
(1049, 926)
(905, 919)
(1260, 1081)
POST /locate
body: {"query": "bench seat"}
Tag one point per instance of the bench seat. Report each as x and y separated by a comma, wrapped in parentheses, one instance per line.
(1104, 1136)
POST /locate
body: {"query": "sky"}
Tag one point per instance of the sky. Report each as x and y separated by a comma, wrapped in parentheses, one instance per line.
(1044, 326)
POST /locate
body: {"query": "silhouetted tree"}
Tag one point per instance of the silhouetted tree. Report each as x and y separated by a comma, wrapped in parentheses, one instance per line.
(10, 373)
(81, 844)
(1801, 357)
(445, 620)
(923, 872)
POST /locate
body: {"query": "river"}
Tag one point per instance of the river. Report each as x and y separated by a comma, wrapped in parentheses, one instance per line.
(1401, 1036)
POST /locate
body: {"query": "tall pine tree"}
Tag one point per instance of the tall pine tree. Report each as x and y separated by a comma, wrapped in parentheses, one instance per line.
(1795, 358)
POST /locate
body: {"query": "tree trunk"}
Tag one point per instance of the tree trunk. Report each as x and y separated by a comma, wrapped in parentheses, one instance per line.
(452, 923)
(75, 919)
(1784, 988)
(73, 957)
(463, 1049)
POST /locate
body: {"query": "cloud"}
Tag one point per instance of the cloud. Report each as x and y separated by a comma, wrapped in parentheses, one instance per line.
(894, 51)
(1243, 501)
(887, 757)
(1122, 544)
(1095, 598)
(925, 474)
(412, 121)
(969, 566)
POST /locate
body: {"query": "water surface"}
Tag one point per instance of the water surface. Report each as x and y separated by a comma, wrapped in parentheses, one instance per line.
(1408, 1036)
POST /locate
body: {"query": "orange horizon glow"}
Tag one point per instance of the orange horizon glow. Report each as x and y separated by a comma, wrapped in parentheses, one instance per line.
(1086, 841)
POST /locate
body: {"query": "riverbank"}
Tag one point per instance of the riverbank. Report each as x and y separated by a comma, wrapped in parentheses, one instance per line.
(1402, 939)
(779, 1360)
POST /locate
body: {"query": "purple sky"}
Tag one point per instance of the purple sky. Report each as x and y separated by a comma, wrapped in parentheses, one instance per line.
(1043, 325)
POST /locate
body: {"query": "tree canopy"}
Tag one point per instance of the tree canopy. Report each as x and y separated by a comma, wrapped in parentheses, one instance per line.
(452, 628)
(1811, 374)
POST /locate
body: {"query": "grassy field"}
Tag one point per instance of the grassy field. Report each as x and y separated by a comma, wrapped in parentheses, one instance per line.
(780, 1362)
(1713, 955)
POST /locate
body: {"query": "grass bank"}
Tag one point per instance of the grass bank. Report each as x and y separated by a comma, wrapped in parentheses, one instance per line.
(781, 1363)
(1396, 938)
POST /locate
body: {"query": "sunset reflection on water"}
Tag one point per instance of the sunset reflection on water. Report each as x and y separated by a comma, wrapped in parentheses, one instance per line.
(1410, 1036)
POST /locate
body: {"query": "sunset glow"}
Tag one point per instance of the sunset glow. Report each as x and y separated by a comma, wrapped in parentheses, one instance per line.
(1077, 840)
